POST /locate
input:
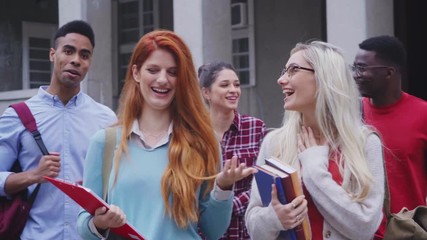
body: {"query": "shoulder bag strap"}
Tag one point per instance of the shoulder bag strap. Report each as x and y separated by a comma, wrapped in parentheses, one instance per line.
(110, 145)
(386, 193)
(29, 122)
(362, 113)
(386, 203)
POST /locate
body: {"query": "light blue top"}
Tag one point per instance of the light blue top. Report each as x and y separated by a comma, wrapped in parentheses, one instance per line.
(137, 192)
(64, 129)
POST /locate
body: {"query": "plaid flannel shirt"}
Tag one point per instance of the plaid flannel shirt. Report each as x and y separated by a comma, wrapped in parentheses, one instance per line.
(243, 139)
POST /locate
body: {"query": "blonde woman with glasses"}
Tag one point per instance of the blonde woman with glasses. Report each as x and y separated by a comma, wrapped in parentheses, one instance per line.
(338, 158)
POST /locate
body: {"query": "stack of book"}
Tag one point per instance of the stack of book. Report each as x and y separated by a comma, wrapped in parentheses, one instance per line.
(288, 186)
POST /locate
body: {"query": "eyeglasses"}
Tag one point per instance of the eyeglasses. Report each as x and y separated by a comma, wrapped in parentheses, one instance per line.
(292, 69)
(360, 69)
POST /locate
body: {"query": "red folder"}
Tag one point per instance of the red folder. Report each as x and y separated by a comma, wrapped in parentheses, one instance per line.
(90, 202)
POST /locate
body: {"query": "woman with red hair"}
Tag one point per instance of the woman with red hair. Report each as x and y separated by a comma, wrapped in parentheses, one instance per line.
(164, 180)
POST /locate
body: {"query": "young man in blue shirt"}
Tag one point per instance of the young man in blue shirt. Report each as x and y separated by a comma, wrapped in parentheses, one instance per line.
(66, 118)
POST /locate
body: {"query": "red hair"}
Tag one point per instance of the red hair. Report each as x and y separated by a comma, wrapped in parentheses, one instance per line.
(193, 148)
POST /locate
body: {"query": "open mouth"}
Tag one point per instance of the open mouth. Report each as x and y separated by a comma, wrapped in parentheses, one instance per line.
(232, 98)
(73, 72)
(288, 92)
(160, 90)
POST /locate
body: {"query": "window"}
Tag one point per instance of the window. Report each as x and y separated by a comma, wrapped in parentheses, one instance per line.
(239, 17)
(242, 33)
(241, 58)
(135, 18)
(37, 39)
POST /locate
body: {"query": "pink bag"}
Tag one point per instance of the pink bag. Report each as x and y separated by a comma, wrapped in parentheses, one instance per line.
(14, 214)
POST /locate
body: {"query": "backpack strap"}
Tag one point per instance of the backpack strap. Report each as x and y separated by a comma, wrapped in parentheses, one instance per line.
(386, 202)
(29, 122)
(110, 145)
(362, 113)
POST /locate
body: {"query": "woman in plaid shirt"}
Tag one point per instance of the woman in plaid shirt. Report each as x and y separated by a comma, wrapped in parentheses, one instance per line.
(239, 135)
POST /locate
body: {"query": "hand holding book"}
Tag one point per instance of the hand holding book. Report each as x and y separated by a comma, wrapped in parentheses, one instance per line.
(279, 184)
(291, 214)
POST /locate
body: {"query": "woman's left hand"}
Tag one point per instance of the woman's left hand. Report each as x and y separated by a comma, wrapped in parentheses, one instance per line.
(233, 172)
(306, 139)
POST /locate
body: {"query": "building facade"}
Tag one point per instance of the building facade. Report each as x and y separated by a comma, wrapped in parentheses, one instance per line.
(256, 36)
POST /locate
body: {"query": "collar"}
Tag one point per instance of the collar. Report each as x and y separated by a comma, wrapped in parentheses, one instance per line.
(55, 100)
(135, 128)
(138, 136)
(236, 125)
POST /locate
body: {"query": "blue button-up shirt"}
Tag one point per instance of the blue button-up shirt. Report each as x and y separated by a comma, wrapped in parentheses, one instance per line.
(66, 130)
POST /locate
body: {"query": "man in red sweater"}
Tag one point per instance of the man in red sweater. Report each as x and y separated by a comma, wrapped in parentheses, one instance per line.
(400, 118)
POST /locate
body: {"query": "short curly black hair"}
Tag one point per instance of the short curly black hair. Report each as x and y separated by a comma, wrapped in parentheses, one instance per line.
(387, 48)
(76, 26)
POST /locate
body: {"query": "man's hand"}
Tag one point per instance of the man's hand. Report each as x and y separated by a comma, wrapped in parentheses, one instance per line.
(49, 165)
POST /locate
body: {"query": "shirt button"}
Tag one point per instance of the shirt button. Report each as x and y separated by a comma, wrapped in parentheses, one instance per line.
(328, 234)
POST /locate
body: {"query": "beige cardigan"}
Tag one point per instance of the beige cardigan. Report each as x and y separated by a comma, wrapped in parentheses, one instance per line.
(343, 217)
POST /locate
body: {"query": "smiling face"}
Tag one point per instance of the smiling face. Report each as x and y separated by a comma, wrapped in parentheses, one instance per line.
(372, 82)
(224, 93)
(71, 60)
(157, 79)
(300, 87)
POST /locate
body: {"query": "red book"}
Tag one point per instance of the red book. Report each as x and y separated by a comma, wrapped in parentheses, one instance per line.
(90, 202)
(293, 190)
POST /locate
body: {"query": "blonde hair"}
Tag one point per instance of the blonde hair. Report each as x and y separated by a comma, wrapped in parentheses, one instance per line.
(338, 117)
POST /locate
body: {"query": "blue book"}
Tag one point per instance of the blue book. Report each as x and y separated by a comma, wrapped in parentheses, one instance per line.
(264, 179)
